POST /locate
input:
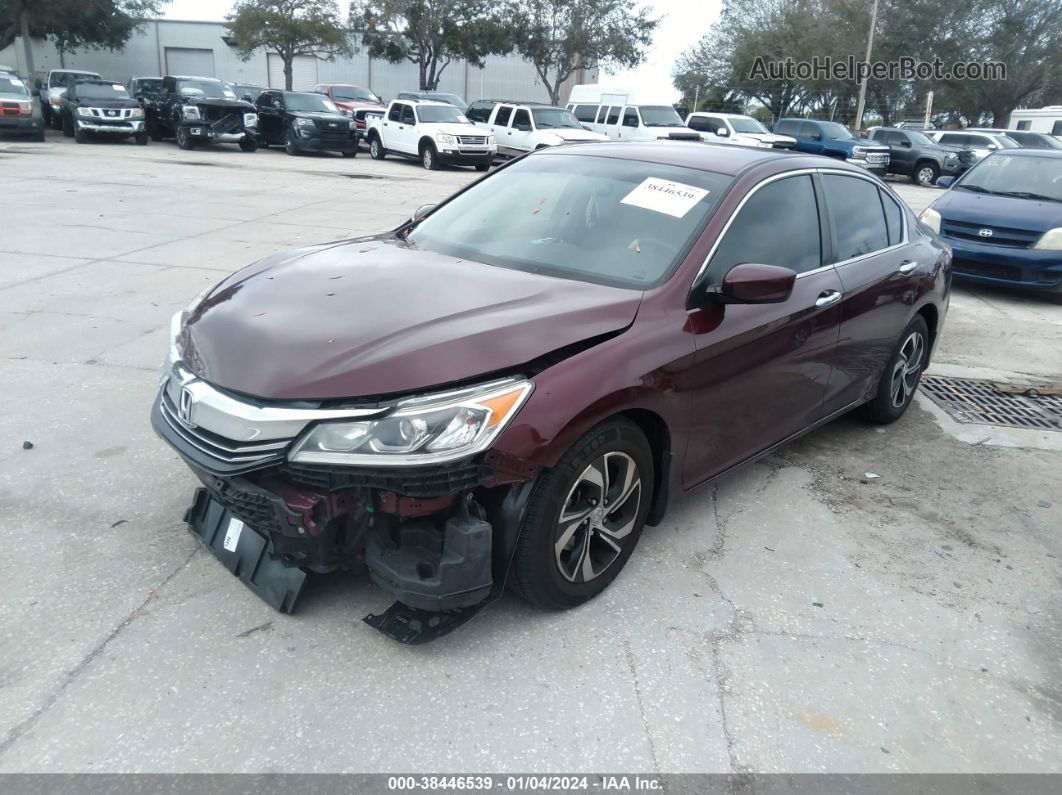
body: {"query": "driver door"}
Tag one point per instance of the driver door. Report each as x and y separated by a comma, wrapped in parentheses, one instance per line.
(761, 370)
(519, 133)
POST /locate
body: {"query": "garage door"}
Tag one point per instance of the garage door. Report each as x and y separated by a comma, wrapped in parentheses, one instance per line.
(187, 61)
(303, 72)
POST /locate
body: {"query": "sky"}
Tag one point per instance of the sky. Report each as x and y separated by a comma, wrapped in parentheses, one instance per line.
(684, 22)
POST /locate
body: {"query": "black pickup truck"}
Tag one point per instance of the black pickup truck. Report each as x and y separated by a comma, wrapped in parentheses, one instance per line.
(917, 156)
(100, 108)
(196, 110)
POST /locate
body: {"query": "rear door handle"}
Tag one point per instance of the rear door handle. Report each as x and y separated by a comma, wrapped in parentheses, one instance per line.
(907, 266)
(828, 298)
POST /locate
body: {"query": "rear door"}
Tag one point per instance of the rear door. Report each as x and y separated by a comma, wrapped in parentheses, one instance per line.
(880, 270)
(761, 370)
(500, 127)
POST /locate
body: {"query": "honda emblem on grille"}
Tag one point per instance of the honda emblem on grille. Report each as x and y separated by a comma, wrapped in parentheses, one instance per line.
(184, 408)
(985, 233)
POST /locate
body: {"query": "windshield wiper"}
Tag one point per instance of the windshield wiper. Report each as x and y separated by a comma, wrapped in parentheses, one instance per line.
(975, 188)
(1024, 194)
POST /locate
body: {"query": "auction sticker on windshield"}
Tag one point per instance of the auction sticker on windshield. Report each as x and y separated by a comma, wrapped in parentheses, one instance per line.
(664, 196)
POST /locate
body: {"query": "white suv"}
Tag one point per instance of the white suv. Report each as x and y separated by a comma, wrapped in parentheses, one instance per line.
(738, 128)
(435, 133)
(525, 127)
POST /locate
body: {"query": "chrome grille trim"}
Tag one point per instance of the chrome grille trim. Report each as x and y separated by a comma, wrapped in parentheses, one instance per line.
(472, 140)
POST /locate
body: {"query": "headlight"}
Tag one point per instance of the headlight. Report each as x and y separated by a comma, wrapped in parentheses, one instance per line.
(1051, 241)
(250, 120)
(420, 430)
(136, 113)
(930, 218)
(859, 151)
(173, 353)
(443, 138)
(84, 111)
(490, 140)
(190, 112)
(305, 123)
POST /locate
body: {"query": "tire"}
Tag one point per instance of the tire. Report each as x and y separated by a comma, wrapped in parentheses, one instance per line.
(66, 124)
(141, 139)
(79, 135)
(39, 137)
(57, 120)
(289, 143)
(925, 173)
(482, 166)
(248, 145)
(155, 131)
(429, 157)
(184, 140)
(551, 564)
(901, 376)
(376, 150)
(351, 153)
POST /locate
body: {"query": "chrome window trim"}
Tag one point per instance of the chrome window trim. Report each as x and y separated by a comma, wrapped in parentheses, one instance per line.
(796, 173)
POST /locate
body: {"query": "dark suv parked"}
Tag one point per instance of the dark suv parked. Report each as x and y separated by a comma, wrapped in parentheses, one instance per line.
(913, 154)
(304, 122)
(469, 401)
(100, 108)
(203, 110)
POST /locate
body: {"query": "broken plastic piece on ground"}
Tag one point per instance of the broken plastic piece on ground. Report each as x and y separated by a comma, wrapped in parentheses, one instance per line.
(412, 626)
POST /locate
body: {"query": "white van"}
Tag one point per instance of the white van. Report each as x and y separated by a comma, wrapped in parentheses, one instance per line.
(1042, 120)
(738, 128)
(621, 122)
(522, 127)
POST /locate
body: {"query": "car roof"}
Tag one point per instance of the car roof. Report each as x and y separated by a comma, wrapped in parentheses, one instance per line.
(196, 77)
(73, 72)
(721, 113)
(729, 160)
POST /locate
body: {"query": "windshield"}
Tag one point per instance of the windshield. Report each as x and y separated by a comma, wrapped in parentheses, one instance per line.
(65, 78)
(9, 84)
(150, 86)
(354, 94)
(428, 114)
(450, 99)
(555, 118)
(745, 124)
(624, 223)
(314, 103)
(205, 89)
(101, 91)
(660, 116)
(833, 130)
(919, 139)
(1021, 176)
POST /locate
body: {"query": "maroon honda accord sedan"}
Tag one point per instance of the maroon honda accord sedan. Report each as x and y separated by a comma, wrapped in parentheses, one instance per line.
(510, 386)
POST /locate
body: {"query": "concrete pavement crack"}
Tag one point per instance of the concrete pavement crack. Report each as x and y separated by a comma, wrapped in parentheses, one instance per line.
(641, 706)
(71, 676)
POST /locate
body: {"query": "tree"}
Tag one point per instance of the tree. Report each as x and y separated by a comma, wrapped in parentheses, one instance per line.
(289, 28)
(561, 36)
(75, 24)
(429, 33)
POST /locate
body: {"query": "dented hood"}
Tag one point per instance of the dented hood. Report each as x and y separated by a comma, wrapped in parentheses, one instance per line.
(379, 317)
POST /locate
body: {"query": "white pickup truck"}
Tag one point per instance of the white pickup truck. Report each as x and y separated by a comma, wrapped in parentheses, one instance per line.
(52, 88)
(434, 133)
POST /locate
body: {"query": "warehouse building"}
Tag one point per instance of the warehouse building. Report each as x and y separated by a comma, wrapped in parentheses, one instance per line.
(165, 46)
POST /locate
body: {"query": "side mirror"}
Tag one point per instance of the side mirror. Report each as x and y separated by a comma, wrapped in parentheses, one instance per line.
(945, 182)
(723, 132)
(993, 146)
(749, 283)
(421, 211)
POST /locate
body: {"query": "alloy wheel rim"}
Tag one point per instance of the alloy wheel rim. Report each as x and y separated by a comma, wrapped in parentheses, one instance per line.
(925, 176)
(182, 135)
(427, 159)
(598, 516)
(907, 370)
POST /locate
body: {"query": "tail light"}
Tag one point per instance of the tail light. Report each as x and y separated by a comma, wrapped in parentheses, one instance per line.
(19, 108)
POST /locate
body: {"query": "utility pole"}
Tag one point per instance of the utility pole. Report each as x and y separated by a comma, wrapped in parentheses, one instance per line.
(929, 108)
(696, 96)
(27, 44)
(863, 82)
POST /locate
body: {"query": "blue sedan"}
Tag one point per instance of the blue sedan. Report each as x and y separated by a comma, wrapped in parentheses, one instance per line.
(1003, 220)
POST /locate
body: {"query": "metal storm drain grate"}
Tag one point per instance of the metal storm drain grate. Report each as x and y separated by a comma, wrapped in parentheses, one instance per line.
(988, 403)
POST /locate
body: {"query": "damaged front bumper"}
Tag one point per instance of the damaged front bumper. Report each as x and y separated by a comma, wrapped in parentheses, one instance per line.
(438, 538)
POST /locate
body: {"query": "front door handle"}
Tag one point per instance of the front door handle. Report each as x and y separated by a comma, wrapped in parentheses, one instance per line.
(828, 298)
(907, 266)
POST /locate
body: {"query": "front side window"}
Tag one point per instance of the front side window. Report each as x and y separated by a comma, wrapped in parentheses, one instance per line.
(624, 223)
(522, 119)
(407, 115)
(309, 103)
(856, 216)
(778, 225)
(630, 117)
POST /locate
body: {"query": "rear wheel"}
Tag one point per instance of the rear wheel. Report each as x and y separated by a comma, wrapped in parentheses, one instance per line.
(429, 158)
(376, 150)
(66, 124)
(925, 174)
(902, 375)
(184, 139)
(584, 517)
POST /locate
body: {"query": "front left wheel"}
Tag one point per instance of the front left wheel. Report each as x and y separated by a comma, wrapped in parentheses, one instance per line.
(584, 517)
(248, 145)
(925, 174)
(429, 157)
(902, 375)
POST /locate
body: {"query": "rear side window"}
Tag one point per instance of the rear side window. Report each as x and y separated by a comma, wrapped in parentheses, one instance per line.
(502, 117)
(786, 128)
(1056, 128)
(856, 216)
(893, 218)
(808, 130)
(1024, 125)
(613, 115)
(779, 225)
(585, 113)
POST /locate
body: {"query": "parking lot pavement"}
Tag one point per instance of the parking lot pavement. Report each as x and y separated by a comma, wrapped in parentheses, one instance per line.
(796, 616)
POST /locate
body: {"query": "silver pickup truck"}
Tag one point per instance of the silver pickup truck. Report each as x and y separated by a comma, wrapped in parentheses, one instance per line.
(52, 88)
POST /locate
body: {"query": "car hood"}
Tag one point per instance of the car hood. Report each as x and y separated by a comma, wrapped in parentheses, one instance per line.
(451, 128)
(572, 134)
(355, 104)
(770, 138)
(981, 208)
(108, 103)
(377, 317)
(323, 115)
